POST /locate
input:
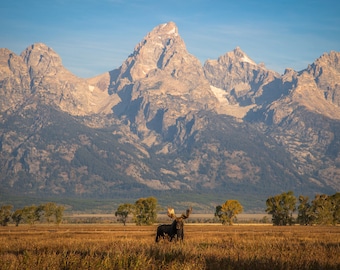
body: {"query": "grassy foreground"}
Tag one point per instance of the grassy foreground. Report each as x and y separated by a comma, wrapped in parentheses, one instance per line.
(134, 247)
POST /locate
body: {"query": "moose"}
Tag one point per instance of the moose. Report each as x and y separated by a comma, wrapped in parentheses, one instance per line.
(175, 228)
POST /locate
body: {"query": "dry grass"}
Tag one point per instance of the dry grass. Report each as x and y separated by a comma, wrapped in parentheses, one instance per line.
(133, 247)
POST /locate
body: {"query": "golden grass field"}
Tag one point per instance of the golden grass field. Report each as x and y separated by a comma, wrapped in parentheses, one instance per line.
(113, 246)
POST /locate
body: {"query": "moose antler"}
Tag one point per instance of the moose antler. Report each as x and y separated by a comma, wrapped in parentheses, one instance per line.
(188, 212)
(171, 213)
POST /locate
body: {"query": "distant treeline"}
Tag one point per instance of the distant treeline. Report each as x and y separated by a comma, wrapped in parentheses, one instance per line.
(323, 210)
(49, 212)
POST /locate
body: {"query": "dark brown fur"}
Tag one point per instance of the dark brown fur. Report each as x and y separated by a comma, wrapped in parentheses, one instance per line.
(176, 229)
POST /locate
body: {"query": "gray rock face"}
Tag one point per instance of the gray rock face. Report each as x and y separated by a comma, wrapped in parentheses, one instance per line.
(160, 82)
(161, 121)
(326, 72)
(14, 80)
(38, 73)
(243, 80)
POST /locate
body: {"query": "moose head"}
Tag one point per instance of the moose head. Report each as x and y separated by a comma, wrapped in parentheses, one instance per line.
(178, 222)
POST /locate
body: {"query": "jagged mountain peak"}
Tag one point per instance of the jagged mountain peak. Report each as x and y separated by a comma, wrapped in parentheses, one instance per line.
(42, 59)
(331, 59)
(165, 29)
(160, 82)
(327, 62)
(240, 77)
(160, 49)
(39, 46)
(241, 56)
(160, 57)
(38, 73)
(14, 80)
(315, 89)
(11, 64)
(234, 57)
(325, 71)
(289, 71)
(5, 51)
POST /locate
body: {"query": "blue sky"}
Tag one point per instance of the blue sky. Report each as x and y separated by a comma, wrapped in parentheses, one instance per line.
(95, 36)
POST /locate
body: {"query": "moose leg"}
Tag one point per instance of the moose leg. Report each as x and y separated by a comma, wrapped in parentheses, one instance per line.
(180, 234)
(159, 233)
(172, 236)
(164, 230)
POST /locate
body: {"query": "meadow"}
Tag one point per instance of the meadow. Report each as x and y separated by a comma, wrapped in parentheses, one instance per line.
(206, 246)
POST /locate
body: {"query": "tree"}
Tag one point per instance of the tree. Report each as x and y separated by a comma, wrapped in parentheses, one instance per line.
(123, 211)
(31, 214)
(49, 211)
(228, 211)
(281, 207)
(336, 207)
(305, 215)
(145, 211)
(59, 213)
(39, 212)
(5, 214)
(17, 216)
(322, 209)
(52, 212)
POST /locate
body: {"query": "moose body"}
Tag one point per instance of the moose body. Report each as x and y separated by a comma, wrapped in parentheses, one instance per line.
(174, 229)
(165, 230)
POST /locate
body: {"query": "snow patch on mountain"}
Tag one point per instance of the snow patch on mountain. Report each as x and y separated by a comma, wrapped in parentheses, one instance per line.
(245, 58)
(220, 94)
(225, 107)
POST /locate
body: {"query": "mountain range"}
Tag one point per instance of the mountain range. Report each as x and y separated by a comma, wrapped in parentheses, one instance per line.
(162, 124)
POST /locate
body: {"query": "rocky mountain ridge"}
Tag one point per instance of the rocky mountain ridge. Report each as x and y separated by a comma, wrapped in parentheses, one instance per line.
(163, 122)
